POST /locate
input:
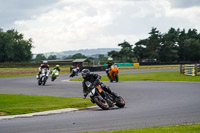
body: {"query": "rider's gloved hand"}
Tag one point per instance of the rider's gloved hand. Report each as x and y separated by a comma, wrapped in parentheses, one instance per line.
(96, 82)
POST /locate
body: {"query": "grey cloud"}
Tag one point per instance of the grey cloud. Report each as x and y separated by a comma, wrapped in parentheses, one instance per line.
(184, 3)
(12, 10)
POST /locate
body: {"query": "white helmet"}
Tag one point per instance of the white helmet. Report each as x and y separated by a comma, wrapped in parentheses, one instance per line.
(45, 62)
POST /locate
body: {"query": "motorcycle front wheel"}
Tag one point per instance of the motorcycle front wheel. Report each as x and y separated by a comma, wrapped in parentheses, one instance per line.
(102, 104)
(116, 78)
(53, 78)
(120, 102)
(39, 82)
(44, 81)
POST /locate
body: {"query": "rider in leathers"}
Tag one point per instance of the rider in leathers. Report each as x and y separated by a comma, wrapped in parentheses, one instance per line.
(42, 66)
(108, 65)
(95, 80)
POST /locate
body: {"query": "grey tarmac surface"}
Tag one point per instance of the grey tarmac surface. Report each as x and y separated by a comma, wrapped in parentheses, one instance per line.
(148, 103)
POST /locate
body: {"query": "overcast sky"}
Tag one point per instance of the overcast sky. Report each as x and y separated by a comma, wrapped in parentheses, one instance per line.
(61, 25)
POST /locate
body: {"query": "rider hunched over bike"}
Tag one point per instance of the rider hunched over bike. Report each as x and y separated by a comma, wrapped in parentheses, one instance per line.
(42, 66)
(57, 68)
(95, 80)
(109, 64)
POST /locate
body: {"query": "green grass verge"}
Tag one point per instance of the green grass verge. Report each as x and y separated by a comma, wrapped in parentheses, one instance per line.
(193, 128)
(149, 67)
(22, 72)
(23, 104)
(154, 76)
(32, 71)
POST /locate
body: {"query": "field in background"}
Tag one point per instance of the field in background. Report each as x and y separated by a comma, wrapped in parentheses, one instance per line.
(150, 67)
(152, 76)
(32, 71)
(27, 71)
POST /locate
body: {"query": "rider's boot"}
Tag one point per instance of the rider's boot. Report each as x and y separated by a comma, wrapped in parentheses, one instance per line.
(92, 100)
(106, 88)
(116, 96)
(38, 76)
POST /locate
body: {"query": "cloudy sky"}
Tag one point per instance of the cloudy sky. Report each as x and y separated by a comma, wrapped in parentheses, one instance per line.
(60, 25)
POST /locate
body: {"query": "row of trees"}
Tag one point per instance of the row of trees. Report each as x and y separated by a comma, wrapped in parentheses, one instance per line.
(40, 57)
(13, 47)
(173, 46)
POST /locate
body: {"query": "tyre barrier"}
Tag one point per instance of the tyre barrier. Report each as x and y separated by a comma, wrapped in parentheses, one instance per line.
(190, 69)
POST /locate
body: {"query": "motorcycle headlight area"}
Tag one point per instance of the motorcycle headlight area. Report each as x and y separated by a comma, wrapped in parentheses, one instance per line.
(56, 74)
(92, 92)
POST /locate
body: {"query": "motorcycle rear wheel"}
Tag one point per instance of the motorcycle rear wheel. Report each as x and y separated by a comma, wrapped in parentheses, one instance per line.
(103, 105)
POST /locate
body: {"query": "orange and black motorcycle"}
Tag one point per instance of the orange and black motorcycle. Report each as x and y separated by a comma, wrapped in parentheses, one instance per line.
(102, 98)
(113, 73)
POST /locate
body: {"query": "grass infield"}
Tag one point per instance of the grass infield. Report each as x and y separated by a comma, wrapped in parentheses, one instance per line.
(22, 72)
(22, 104)
(190, 128)
(153, 76)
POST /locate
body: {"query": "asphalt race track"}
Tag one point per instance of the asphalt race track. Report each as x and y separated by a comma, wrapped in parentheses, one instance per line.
(148, 103)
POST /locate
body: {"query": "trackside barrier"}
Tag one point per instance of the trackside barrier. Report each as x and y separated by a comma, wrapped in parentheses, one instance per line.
(126, 64)
(190, 69)
(136, 64)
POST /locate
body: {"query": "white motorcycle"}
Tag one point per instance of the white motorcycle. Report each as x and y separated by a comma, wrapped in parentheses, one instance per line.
(43, 76)
(74, 72)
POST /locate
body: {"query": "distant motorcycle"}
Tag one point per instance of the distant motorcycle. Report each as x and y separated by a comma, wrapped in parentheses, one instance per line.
(113, 73)
(43, 77)
(102, 98)
(54, 74)
(74, 72)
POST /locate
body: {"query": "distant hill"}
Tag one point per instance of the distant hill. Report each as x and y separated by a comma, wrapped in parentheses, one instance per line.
(87, 52)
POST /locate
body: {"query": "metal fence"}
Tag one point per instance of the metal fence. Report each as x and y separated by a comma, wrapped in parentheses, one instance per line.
(190, 69)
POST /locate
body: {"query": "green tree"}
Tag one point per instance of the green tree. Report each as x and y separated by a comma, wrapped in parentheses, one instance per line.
(153, 45)
(169, 47)
(78, 56)
(40, 57)
(192, 49)
(182, 51)
(102, 58)
(13, 47)
(126, 52)
(5, 47)
(52, 57)
(114, 54)
(139, 50)
(188, 43)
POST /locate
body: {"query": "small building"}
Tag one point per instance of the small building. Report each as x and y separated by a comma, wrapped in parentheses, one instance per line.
(81, 63)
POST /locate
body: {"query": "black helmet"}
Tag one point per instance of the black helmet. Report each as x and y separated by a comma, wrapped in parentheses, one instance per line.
(85, 73)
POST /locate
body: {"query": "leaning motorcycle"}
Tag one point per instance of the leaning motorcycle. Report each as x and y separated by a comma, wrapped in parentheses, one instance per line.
(102, 98)
(54, 74)
(113, 73)
(74, 72)
(43, 77)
